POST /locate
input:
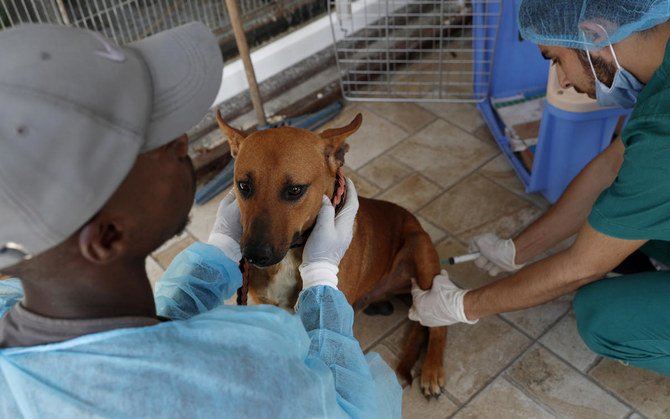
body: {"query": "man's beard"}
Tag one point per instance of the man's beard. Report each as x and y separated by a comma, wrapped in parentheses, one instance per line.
(604, 70)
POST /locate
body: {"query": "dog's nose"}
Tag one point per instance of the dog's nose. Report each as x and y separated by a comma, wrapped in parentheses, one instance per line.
(259, 255)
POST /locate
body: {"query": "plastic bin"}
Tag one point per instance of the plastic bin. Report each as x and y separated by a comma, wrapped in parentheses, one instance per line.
(517, 66)
(573, 129)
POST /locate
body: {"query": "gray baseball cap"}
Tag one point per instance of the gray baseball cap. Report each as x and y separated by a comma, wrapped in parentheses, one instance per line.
(77, 110)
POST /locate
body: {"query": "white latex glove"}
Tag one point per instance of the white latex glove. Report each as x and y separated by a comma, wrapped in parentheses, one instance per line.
(329, 241)
(497, 255)
(441, 305)
(227, 229)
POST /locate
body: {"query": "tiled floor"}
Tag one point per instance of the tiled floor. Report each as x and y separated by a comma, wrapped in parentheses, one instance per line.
(440, 162)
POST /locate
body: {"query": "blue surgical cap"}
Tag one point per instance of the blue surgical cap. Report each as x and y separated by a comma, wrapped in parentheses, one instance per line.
(571, 23)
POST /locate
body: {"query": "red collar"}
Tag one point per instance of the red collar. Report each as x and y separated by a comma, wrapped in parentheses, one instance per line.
(340, 194)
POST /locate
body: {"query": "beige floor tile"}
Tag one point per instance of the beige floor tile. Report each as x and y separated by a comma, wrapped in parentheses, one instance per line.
(464, 115)
(563, 339)
(484, 133)
(363, 187)
(203, 217)
(561, 389)
(165, 256)
(412, 193)
(154, 271)
(395, 342)
(508, 225)
(477, 205)
(646, 391)
(375, 136)
(384, 171)
(501, 400)
(407, 116)
(436, 234)
(443, 153)
(501, 172)
(465, 275)
(415, 405)
(536, 320)
(369, 329)
(477, 353)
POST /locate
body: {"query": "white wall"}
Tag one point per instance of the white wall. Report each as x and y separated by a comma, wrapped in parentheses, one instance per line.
(296, 46)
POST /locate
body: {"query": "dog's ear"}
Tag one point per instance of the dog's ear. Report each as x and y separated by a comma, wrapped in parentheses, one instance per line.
(335, 142)
(234, 136)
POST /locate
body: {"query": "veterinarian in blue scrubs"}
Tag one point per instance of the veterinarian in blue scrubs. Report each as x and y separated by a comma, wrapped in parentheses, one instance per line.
(617, 52)
(94, 176)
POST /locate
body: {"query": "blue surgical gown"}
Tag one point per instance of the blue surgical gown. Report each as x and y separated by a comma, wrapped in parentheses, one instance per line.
(212, 360)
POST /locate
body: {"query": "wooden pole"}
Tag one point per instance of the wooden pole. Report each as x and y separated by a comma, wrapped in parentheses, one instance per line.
(243, 48)
(63, 12)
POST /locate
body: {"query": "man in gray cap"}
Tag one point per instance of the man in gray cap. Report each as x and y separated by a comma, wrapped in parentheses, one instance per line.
(94, 176)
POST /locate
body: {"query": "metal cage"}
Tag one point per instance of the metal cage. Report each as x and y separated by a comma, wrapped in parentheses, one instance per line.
(126, 21)
(415, 50)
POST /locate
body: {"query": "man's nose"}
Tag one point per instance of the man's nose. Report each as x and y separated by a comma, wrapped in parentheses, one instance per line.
(562, 79)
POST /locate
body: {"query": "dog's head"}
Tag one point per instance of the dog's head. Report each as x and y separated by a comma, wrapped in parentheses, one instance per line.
(280, 177)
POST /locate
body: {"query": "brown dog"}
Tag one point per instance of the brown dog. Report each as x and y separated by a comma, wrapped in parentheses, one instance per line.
(280, 176)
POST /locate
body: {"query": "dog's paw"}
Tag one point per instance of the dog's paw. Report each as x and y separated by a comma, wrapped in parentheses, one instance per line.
(432, 381)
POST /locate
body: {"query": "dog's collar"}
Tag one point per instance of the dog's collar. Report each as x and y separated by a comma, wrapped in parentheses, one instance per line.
(340, 194)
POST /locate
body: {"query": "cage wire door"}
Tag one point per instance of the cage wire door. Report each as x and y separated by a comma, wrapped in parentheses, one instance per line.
(415, 50)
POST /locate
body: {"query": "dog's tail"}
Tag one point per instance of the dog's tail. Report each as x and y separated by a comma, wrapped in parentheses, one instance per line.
(414, 341)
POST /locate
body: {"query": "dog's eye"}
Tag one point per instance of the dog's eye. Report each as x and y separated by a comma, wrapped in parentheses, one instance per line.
(244, 187)
(294, 192)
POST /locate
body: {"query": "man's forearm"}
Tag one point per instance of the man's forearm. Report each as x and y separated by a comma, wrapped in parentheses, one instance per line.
(588, 259)
(535, 284)
(571, 211)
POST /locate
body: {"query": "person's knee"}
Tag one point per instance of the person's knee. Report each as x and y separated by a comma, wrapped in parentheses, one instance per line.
(627, 319)
(593, 319)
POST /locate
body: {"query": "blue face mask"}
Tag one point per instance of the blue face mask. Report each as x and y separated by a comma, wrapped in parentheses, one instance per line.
(624, 90)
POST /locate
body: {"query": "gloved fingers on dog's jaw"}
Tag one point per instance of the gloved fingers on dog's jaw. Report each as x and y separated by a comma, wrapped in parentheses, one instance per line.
(326, 215)
(228, 199)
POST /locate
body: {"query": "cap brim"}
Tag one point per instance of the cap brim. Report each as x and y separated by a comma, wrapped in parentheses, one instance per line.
(186, 69)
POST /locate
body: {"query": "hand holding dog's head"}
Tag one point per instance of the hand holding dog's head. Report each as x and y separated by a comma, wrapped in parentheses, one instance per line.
(280, 177)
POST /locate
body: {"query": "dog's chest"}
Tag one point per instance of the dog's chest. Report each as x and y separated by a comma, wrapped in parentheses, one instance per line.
(280, 288)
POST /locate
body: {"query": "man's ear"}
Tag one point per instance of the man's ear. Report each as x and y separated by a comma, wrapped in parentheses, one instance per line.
(102, 241)
(597, 31)
(335, 146)
(234, 136)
